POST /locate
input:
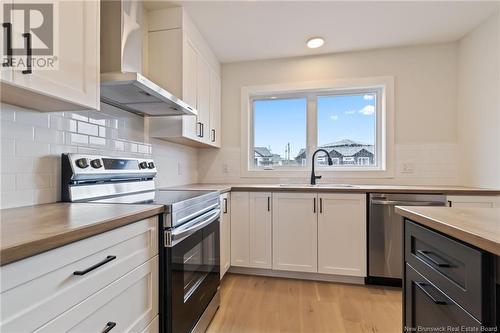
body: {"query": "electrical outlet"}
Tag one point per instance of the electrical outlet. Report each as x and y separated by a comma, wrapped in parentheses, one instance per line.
(225, 168)
(408, 168)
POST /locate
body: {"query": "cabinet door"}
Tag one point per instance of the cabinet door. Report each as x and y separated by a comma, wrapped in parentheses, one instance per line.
(215, 110)
(260, 230)
(189, 69)
(240, 229)
(295, 232)
(6, 71)
(76, 78)
(225, 233)
(203, 98)
(473, 201)
(342, 234)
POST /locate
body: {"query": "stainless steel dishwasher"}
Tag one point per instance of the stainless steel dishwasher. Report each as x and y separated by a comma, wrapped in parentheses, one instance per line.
(385, 234)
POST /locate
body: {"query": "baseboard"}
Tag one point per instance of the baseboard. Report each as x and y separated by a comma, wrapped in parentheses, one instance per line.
(297, 275)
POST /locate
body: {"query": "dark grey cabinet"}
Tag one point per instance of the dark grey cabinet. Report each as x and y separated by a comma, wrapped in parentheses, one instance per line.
(448, 285)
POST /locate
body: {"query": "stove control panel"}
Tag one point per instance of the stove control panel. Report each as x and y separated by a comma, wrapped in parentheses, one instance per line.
(97, 167)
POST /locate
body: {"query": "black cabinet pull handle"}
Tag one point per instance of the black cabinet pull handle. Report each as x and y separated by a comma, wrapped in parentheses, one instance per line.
(449, 203)
(202, 130)
(422, 286)
(321, 205)
(213, 135)
(427, 255)
(225, 205)
(109, 326)
(99, 264)
(29, 52)
(268, 204)
(314, 205)
(8, 39)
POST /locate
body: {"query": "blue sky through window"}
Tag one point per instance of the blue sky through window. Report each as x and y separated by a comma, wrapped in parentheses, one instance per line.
(279, 122)
(346, 117)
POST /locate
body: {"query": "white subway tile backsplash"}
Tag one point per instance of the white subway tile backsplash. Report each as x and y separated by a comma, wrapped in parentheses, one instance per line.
(32, 181)
(76, 139)
(33, 118)
(86, 128)
(49, 136)
(31, 148)
(32, 143)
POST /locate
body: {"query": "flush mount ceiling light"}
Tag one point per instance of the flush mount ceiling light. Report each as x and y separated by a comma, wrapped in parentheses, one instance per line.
(315, 42)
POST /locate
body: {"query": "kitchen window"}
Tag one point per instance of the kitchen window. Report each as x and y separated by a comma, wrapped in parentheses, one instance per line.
(283, 127)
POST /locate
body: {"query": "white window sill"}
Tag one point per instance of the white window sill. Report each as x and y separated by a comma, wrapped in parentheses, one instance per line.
(327, 174)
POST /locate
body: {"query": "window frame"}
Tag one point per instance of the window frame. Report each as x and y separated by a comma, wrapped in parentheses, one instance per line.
(384, 141)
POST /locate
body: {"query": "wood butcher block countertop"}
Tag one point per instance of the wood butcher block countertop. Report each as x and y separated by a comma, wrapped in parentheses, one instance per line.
(476, 226)
(26, 231)
(459, 190)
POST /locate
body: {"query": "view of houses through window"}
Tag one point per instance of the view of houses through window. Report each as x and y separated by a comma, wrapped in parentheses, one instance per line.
(345, 127)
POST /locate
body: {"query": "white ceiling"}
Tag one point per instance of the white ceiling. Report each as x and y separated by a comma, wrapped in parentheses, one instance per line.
(249, 30)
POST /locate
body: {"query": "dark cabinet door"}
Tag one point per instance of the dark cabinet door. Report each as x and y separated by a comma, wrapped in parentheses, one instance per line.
(430, 309)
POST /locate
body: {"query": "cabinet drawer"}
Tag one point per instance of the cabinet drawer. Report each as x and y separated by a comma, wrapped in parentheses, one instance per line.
(38, 289)
(461, 271)
(128, 305)
(428, 307)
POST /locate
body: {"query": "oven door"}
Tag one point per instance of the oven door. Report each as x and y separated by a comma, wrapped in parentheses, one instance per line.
(193, 260)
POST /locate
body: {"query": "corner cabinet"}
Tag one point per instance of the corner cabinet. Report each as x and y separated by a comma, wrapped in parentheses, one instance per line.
(74, 83)
(251, 229)
(180, 60)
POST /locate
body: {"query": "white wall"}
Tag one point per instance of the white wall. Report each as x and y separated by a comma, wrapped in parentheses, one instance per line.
(425, 107)
(479, 105)
(32, 142)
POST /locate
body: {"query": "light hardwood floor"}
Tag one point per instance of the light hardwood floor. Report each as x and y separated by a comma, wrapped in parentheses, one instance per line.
(252, 304)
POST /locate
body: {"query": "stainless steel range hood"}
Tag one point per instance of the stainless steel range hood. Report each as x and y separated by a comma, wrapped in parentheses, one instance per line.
(122, 83)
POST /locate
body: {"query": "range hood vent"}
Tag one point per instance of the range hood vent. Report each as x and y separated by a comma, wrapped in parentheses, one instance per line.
(122, 82)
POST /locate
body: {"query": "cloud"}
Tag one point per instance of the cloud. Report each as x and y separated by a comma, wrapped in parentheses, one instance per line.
(334, 117)
(368, 110)
(368, 97)
(350, 112)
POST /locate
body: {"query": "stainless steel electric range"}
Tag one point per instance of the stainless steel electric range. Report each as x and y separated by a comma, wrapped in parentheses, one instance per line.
(189, 237)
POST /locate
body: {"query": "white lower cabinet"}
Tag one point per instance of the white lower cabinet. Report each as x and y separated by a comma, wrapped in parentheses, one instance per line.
(473, 201)
(295, 233)
(251, 229)
(36, 291)
(342, 234)
(128, 305)
(225, 233)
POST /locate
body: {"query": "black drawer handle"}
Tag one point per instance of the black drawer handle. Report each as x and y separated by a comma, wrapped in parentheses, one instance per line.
(99, 264)
(427, 255)
(109, 326)
(423, 286)
(225, 205)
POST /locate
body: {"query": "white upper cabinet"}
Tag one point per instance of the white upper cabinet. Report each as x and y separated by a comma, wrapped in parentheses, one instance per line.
(295, 236)
(73, 83)
(342, 234)
(180, 61)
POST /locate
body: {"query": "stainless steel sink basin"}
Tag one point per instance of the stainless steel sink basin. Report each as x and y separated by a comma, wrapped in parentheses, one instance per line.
(320, 185)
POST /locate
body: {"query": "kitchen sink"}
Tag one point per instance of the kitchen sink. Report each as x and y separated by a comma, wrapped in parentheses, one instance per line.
(321, 185)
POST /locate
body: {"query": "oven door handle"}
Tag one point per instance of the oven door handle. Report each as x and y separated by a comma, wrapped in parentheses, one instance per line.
(182, 233)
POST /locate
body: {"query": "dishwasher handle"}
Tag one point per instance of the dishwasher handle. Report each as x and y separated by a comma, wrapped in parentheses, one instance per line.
(406, 203)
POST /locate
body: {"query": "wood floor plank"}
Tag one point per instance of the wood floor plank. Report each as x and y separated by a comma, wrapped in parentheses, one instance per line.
(255, 304)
